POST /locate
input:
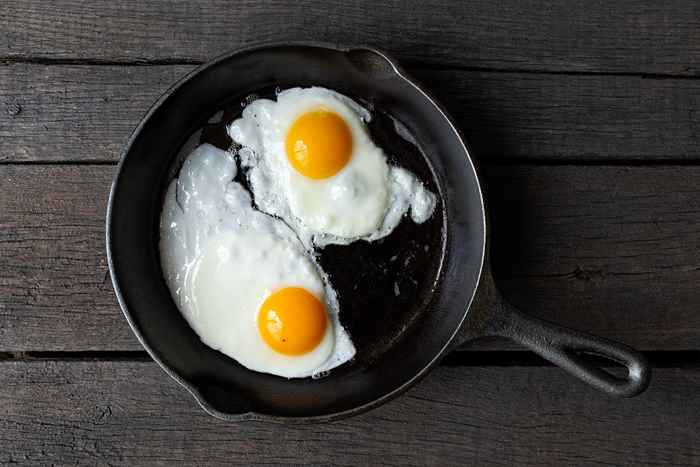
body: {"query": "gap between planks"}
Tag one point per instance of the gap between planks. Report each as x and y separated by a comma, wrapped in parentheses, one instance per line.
(503, 162)
(418, 66)
(458, 358)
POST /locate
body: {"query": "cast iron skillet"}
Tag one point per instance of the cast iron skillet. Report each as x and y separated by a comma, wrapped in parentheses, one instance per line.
(403, 299)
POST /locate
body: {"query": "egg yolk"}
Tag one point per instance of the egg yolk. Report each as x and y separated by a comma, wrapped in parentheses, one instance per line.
(292, 321)
(319, 144)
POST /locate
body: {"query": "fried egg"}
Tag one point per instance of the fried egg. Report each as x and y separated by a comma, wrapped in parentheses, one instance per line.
(242, 279)
(311, 161)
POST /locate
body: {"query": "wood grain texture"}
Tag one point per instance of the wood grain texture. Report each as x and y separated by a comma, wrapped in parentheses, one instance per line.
(624, 36)
(55, 286)
(75, 113)
(607, 249)
(86, 113)
(613, 250)
(122, 413)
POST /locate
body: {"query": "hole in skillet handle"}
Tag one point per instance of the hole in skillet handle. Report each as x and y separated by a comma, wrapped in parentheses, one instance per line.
(614, 368)
(582, 355)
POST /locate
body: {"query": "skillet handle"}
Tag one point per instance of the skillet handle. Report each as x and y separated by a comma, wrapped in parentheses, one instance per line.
(571, 349)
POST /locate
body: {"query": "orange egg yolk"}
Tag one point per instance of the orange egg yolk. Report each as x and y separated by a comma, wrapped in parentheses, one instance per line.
(292, 321)
(319, 144)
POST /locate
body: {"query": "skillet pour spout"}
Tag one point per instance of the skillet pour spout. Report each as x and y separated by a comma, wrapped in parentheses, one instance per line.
(406, 334)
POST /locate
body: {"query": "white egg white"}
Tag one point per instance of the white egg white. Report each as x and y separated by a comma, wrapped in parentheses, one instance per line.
(221, 259)
(365, 200)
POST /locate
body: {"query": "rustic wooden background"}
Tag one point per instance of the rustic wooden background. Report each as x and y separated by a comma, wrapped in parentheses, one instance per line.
(584, 117)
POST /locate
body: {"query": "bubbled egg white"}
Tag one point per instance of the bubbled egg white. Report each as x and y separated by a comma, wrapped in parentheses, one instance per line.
(221, 259)
(366, 199)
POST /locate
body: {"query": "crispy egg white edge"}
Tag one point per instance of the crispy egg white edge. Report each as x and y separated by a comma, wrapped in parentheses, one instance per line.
(406, 192)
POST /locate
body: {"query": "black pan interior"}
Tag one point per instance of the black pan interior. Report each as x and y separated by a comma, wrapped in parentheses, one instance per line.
(401, 297)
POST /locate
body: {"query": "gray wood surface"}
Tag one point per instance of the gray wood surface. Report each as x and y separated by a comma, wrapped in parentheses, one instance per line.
(584, 118)
(583, 36)
(86, 112)
(613, 250)
(129, 413)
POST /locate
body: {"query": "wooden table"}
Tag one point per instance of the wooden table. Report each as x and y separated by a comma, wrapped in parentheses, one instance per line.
(585, 119)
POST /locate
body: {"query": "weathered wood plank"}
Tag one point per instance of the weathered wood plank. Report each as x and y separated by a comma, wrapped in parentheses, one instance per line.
(606, 249)
(106, 413)
(623, 36)
(614, 250)
(601, 118)
(75, 113)
(86, 113)
(54, 279)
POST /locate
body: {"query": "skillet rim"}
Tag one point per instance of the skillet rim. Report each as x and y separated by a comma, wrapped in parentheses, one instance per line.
(251, 415)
